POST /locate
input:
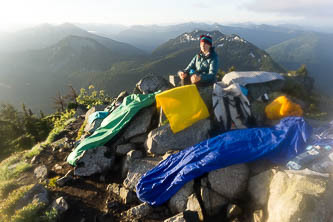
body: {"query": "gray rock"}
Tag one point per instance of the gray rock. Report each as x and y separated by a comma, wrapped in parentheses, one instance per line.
(162, 139)
(233, 211)
(134, 154)
(178, 201)
(295, 197)
(79, 112)
(140, 123)
(37, 194)
(175, 80)
(153, 83)
(94, 109)
(60, 205)
(127, 196)
(41, 172)
(93, 161)
(57, 167)
(230, 182)
(136, 170)
(194, 205)
(124, 148)
(259, 166)
(185, 216)
(212, 201)
(206, 94)
(60, 144)
(139, 139)
(115, 103)
(259, 187)
(114, 188)
(130, 157)
(139, 211)
(169, 153)
(91, 127)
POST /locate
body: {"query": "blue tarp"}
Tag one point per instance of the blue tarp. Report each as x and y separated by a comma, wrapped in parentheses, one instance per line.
(279, 143)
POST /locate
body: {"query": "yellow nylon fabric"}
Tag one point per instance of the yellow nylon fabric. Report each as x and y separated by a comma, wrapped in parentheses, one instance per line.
(183, 106)
(282, 107)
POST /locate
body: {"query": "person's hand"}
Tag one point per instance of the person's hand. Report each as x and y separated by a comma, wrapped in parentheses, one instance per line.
(182, 74)
(195, 78)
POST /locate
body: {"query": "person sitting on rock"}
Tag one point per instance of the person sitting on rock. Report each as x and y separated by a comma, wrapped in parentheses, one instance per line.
(203, 67)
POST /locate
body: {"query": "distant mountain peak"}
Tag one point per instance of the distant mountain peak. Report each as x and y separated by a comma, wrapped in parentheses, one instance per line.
(195, 35)
(217, 37)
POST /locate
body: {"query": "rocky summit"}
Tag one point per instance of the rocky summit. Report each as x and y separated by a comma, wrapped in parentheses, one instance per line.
(102, 185)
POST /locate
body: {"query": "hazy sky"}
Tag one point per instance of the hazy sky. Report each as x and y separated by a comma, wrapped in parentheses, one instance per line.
(129, 12)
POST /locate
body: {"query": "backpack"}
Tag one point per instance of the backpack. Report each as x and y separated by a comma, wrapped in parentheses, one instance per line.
(231, 107)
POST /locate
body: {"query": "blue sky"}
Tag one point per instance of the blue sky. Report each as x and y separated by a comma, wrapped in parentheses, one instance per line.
(130, 12)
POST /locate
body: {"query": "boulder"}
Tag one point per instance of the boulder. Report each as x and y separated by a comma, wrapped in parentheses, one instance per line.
(124, 148)
(127, 196)
(139, 211)
(230, 182)
(140, 139)
(37, 194)
(178, 201)
(57, 167)
(41, 172)
(114, 188)
(185, 216)
(294, 197)
(130, 157)
(80, 111)
(140, 123)
(162, 139)
(194, 205)
(206, 94)
(91, 127)
(94, 161)
(153, 83)
(136, 170)
(175, 80)
(94, 109)
(259, 187)
(259, 166)
(212, 201)
(60, 205)
(115, 103)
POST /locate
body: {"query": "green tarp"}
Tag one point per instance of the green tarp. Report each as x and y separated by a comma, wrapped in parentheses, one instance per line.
(112, 124)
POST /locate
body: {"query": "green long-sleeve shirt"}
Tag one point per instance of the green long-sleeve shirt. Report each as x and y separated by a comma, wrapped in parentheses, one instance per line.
(204, 66)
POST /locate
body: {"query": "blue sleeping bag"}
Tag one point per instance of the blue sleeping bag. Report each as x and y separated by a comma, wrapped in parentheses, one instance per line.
(279, 144)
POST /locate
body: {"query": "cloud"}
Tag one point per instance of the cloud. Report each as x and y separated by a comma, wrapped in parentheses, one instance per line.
(5, 85)
(200, 5)
(304, 8)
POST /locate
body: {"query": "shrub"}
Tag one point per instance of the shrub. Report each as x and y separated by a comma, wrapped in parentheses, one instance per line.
(92, 97)
(60, 121)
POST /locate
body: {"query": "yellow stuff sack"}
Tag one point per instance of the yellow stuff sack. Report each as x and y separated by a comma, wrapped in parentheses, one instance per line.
(183, 106)
(282, 107)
